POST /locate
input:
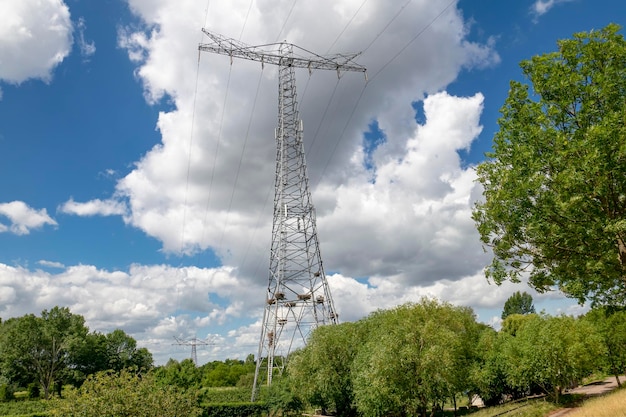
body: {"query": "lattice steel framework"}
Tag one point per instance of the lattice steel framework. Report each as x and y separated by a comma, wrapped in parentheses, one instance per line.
(298, 298)
(193, 342)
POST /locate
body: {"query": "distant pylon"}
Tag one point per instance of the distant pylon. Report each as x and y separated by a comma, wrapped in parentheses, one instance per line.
(298, 298)
(193, 342)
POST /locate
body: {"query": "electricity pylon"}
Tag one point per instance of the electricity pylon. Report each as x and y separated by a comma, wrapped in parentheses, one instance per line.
(193, 342)
(298, 298)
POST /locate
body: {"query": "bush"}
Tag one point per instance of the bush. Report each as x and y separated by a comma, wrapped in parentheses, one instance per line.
(127, 394)
(33, 390)
(7, 392)
(234, 410)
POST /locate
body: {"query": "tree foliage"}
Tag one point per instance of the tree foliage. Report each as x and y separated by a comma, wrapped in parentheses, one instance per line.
(395, 362)
(610, 325)
(518, 303)
(321, 373)
(41, 348)
(127, 394)
(555, 183)
(552, 353)
(57, 348)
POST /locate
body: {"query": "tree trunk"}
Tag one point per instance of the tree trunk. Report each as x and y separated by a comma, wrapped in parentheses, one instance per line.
(621, 249)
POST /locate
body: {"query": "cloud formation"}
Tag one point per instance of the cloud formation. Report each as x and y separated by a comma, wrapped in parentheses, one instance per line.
(23, 218)
(43, 29)
(541, 7)
(208, 185)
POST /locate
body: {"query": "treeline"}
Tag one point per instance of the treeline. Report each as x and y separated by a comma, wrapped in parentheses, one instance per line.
(43, 353)
(227, 373)
(417, 357)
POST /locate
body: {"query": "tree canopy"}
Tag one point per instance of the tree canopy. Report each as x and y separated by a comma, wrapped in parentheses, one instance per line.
(555, 182)
(518, 303)
(57, 348)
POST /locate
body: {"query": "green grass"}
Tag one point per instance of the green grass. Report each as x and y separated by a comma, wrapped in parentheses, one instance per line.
(527, 408)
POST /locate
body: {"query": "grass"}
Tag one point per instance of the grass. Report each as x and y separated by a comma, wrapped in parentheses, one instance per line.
(610, 405)
(527, 408)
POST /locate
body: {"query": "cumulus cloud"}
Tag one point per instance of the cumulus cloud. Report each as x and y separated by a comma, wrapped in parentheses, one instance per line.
(95, 207)
(35, 36)
(23, 218)
(213, 179)
(413, 223)
(156, 303)
(153, 303)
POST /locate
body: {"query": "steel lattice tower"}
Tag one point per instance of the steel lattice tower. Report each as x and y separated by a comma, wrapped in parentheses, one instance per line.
(298, 298)
(193, 342)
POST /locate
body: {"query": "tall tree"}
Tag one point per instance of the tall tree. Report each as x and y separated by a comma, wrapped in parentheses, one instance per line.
(552, 353)
(42, 348)
(555, 183)
(321, 372)
(611, 326)
(123, 353)
(518, 303)
(415, 357)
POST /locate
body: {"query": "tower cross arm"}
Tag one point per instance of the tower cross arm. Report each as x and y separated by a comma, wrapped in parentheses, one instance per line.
(271, 54)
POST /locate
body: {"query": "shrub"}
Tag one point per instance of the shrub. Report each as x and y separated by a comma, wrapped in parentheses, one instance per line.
(127, 394)
(7, 392)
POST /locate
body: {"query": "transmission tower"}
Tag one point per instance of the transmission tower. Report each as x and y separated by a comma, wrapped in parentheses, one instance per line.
(193, 342)
(298, 298)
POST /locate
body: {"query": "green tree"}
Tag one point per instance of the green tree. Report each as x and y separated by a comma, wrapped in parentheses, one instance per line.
(611, 326)
(180, 374)
(488, 374)
(518, 303)
(552, 353)
(415, 357)
(122, 352)
(513, 323)
(555, 183)
(321, 372)
(41, 348)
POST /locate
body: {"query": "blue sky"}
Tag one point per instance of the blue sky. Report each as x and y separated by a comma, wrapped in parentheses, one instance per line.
(136, 180)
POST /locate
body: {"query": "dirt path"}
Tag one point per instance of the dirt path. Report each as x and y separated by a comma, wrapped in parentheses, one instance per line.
(590, 390)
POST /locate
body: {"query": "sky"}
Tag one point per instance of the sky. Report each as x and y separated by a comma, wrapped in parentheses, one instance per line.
(136, 181)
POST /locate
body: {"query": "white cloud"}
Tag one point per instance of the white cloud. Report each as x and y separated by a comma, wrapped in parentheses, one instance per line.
(414, 223)
(541, 7)
(156, 303)
(51, 264)
(87, 48)
(23, 218)
(35, 36)
(94, 208)
(153, 303)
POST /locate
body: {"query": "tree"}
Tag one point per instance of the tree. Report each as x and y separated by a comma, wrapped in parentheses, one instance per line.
(180, 374)
(488, 373)
(122, 352)
(415, 357)
(41, 348)
(552, 353)
(611, 326)
(320, 372)
(518, 303)
(555, 182)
